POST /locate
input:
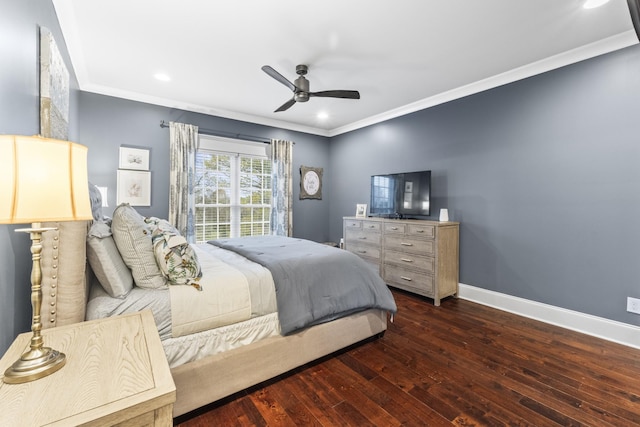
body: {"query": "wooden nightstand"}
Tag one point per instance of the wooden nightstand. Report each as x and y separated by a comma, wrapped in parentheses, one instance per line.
(116, 374)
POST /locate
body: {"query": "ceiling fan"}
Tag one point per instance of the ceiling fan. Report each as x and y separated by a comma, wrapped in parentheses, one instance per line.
(300, 88)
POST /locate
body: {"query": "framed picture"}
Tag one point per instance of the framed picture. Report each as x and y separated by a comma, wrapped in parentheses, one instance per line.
(134, 187)
(361, 210)
(54, 89)
(134, 158)
(310, 183)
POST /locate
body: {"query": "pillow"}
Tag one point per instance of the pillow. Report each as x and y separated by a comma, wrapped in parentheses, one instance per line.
(176, 258)
(133, 239)
(106, 262)
(95, 196)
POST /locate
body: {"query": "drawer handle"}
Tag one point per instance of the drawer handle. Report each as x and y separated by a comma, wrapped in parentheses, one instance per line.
(406, 259)
(362, 238)
(408, 279)
(372, 226)
(420, 231)
(394, 228)
(406, 244)
(362, 252)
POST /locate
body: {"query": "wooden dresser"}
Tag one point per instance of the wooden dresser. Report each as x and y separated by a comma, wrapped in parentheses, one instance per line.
(116, 374)
(363, 237)
(414, 255)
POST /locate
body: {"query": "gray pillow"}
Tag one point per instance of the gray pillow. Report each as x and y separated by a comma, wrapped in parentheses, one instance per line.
(95, 196)
(106, 262)
(133, 240)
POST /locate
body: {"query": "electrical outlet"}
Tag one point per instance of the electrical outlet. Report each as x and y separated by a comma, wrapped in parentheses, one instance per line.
(633, 305)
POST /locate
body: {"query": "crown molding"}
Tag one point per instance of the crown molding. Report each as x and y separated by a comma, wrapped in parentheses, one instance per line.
(582, 53)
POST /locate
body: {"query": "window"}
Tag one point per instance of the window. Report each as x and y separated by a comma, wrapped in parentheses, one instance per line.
(232, 190)
(383, 193)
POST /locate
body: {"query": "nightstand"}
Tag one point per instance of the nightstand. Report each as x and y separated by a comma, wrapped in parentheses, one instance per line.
(116, 373)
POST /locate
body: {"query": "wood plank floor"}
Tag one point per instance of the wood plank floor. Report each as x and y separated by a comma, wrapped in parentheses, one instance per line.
(459, 364)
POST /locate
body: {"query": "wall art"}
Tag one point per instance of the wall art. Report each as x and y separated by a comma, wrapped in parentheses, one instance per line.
(134, 158)
(54, 89)
(134, 187)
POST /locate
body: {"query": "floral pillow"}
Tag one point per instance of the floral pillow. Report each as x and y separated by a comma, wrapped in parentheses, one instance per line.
(176, 258)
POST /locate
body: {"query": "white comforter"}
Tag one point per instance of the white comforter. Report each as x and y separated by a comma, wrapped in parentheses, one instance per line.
(234, 289)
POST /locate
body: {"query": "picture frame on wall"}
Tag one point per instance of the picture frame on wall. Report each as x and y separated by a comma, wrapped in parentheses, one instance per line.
(134, 187)
(361, 210)
(134, 158)
(310, 183)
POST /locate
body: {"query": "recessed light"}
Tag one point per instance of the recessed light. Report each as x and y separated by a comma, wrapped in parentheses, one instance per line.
(323, 115)
(162, 77)
(590, 4)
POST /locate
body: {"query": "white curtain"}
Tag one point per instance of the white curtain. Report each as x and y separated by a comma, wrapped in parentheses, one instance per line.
(282, 187)
(183, 142)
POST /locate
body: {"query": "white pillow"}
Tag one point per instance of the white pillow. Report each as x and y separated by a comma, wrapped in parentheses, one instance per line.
(106, 262)
(133, 239)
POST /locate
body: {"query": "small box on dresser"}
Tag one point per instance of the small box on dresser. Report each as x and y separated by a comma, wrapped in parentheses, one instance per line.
(415, 255)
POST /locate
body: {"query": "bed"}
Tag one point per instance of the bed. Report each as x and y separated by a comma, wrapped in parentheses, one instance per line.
(212, 356)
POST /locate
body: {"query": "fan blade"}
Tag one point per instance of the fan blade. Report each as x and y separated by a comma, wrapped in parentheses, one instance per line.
(286, 105)
(276, 75)
(348, 94)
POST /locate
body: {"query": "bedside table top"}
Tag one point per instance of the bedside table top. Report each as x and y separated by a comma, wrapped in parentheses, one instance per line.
(116, 370)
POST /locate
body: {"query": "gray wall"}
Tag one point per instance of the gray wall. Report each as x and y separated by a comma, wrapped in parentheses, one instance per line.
(106, 123)
(20, 23)
(543, 174)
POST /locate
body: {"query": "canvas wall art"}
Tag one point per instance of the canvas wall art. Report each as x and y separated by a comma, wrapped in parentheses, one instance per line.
(54, 89)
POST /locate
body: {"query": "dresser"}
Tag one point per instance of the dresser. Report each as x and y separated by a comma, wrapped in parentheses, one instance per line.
(418, 256)
(363, 237)
(116, 373)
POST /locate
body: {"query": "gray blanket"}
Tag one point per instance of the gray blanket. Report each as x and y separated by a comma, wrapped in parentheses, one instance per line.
(314, 283)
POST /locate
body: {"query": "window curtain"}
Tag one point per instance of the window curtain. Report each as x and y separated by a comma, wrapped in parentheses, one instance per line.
(183, 144)
(282, 188)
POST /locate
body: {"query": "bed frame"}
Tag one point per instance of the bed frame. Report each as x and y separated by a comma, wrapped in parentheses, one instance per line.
(65, 290)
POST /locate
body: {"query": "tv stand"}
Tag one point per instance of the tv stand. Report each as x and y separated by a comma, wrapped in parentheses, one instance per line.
(419, 256)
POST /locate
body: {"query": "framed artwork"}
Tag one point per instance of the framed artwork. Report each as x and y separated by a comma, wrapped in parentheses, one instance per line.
(134, 158)
(310, 183)
(361, 210)
(54, 89)
(134, 187)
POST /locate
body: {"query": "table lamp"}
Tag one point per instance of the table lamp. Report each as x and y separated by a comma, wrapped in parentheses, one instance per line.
(41, 180)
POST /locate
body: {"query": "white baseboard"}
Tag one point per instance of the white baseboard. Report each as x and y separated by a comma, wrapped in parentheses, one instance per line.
(621, 333)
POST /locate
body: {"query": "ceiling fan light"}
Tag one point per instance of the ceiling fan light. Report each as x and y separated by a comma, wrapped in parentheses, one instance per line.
(301, 96)
(591, 4)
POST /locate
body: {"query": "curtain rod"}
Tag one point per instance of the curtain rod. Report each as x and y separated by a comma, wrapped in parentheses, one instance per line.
(224, 134)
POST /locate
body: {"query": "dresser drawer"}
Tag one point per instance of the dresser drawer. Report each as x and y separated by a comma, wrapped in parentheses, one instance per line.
(353, 223)
(413, 281)
(390, 228)
(407, 260)
(364, 250)
(371, 226)
(427, 231)
(408, 244)
(353, 235)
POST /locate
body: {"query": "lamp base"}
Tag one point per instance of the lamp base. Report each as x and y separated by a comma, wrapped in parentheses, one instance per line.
(34, 365)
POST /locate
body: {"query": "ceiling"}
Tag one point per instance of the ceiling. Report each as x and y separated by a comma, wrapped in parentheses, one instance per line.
(402, 56)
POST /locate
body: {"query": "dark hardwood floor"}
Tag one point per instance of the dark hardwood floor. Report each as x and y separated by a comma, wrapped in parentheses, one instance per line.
(459, 364)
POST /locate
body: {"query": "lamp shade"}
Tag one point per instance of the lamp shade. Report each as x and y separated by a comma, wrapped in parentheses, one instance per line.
(42, 179)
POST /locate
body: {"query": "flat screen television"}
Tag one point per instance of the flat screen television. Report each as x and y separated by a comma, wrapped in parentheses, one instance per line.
(402, 195)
